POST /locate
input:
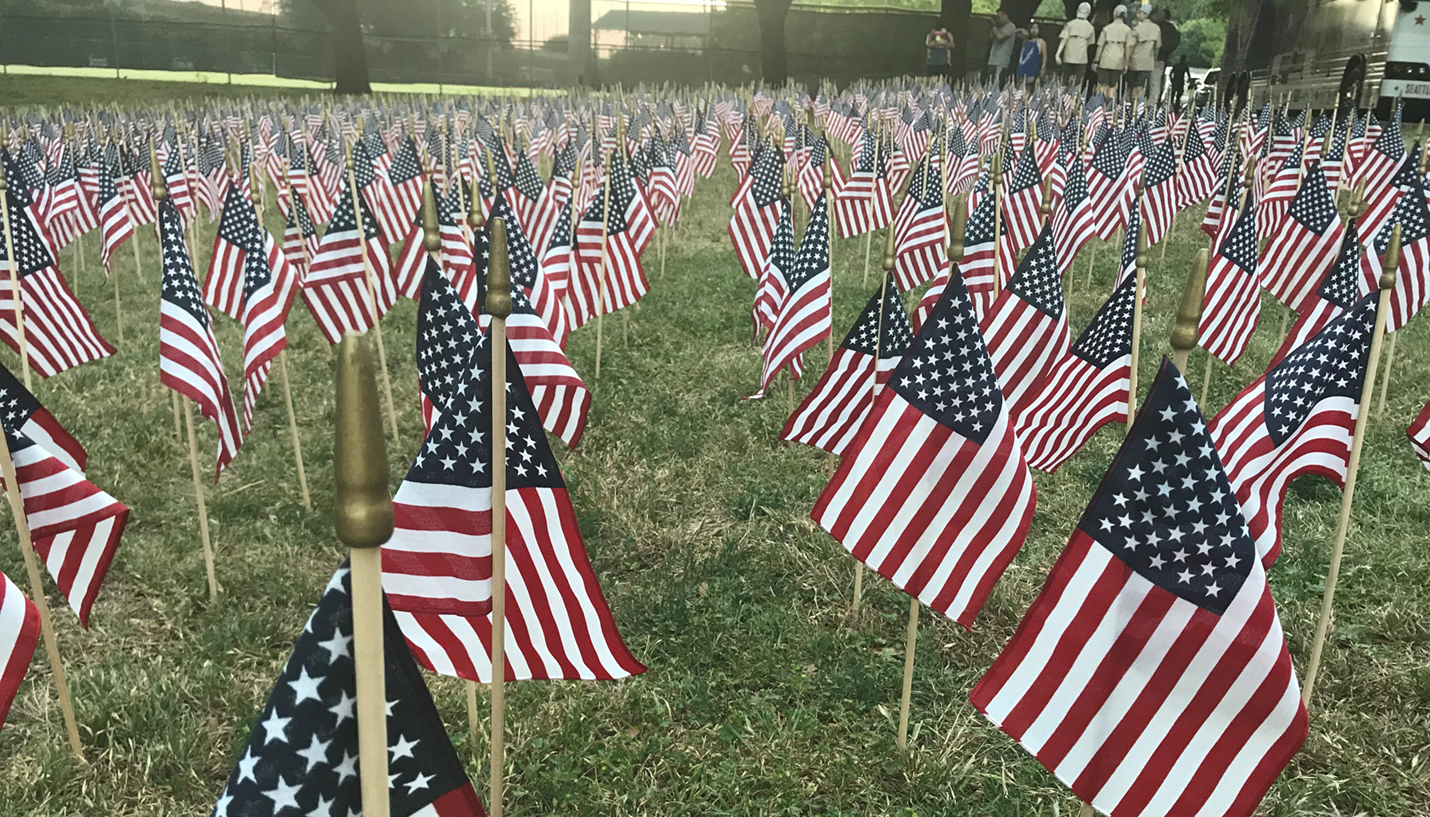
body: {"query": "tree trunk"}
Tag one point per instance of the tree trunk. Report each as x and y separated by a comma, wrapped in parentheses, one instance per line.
(349, 53)
(774, 65)
(954, 14)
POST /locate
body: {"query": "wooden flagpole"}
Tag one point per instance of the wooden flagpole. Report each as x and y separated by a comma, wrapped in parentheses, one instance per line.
(37, 595)
(371, 291)
(283, 372)
(910, 642)
(498, 305)
(1140, 265)
(160, 189)
(16, 296)
(995, 179)
(1338, 541)
(869, 207)
(827, 184)
(362, 517)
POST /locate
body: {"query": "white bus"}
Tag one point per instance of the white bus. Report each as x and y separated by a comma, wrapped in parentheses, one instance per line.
(1325, 53)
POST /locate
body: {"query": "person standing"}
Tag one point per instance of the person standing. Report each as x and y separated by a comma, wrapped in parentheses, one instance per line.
(1179, 81)
(1033, 58)
(1145, 43)
(1171, 38)
(1073, 44)
(1000, 51)
(939, 44)
(1113, 45)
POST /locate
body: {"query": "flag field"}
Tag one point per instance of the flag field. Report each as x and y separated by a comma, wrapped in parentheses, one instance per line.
(763, 695)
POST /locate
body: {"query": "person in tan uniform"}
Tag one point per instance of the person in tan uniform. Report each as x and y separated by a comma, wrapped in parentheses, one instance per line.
(1145, 43)
(1074, 43)
(1113, 47)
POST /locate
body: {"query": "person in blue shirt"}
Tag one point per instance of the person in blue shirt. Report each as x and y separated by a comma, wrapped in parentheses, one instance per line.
(1034, 56)
(939, 44)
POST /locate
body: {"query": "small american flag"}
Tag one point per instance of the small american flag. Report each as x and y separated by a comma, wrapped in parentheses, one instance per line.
(1027, 328)
(1304, 246)
(336, 287)
(189, 361)
(1159, 205)
(436, 567)
(74, 525)
(1384, 157)
(1085, 390)
(1338, 291)
(303, 754)
(1418, 432)
(1279, 192)
(300, 237)
(773, 286)
(269, 285)
(804, 317)
(1110, 184)
(832, 414)
(757, 211)
(920, 229)
(1232, 304)
(862, 202)
(1151, 674)
(59, 334)
(1073, 220)
(1296, 419)
(933, 493)
(1022, 200)
(238, 232)
(114, 219)
(22, 412)
(628, 232)
(1412, 276)
(986, 263)
(19, 634)
(549, 296)
(1198, 176)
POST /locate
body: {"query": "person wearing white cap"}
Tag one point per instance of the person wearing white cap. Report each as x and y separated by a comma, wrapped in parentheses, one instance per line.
(1146, 41)
(1073, 44)
(1113, 47)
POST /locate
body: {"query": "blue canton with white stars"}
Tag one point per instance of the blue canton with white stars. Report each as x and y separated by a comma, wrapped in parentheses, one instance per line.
(864, 335)
(1165, 507)
(1331, 364)
(1341, 286)
(179, 286)
(1038, 280)
(1109, 336)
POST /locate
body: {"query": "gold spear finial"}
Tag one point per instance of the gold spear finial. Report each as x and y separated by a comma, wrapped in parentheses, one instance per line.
(1392, 260)
(498, 303)
(362, 512)
(1189, 313)
(157, 185)
(960, 225)
(431, 230)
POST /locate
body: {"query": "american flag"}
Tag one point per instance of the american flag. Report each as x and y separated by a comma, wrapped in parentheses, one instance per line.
(804, 317)
(1380, 208)
(561, 397)
(1412, 289)
(550, 295)
(1296, 419)
(757, 211)
(269, 285)
(1232, 304)
(811, 176)
(1384, 157)
(921, 228)
(1228, 178)
(1110, 185)
(933, 493)
(1303, 246)
(1022, 200)
(21, 411)
(336, 287)
(1418, 432)
(300, 237)
(832, 414)
(1159, 197)
(1027, 327)
(436, 567)
(59, 334)
(238, 232)
(986, 263)
(863, 201)
(189, 360)
(115, 223)
(526, 192)
(1198, 174)
(1279, 192)
(773, 286)
(303, 753)
(1151, 674)
(628, 232)
(74, 525)
(1338, 291)
(19, 634)
(176, 179)
(1073, 220)
(706, 145)
(1085, 390)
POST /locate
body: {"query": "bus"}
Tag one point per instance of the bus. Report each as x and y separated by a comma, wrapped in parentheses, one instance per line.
(1329, 53)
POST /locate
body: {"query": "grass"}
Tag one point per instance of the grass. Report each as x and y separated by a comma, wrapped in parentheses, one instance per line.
(763, 696)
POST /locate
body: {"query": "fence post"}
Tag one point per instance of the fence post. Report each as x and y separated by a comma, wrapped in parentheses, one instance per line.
(114, 37)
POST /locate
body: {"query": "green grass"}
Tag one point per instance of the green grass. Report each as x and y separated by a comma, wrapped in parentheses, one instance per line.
(763, 696)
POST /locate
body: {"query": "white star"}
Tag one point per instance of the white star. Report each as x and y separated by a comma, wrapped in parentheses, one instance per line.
(316, 753)
(347, 768)
(337, 646)
(419, 782)
(246, 765)
(323, 809)
(305, 686)
(343, 708)
(273, 728)
(403, 748)
(283, 796)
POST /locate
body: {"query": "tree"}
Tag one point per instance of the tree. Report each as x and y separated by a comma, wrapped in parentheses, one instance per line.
(774, 64)
(349, 52)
